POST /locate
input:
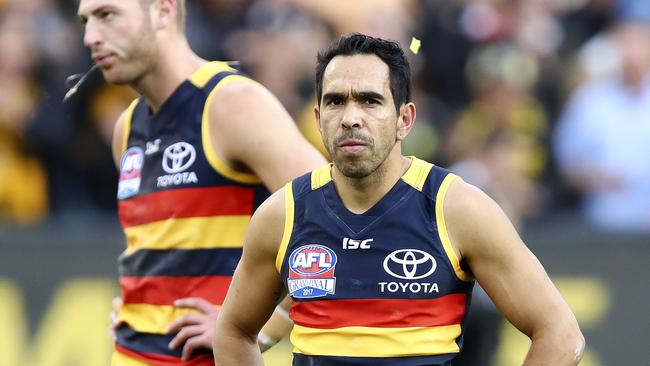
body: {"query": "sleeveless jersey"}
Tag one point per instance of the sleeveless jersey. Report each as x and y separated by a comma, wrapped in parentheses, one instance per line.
(380, 288)
(184, 214)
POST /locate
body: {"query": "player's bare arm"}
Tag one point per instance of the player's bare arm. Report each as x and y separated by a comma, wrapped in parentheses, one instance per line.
(255, 290)
(251, 131)
(512, 276)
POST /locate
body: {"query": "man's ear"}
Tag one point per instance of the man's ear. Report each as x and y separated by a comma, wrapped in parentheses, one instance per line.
(164, 13)
(406, 120)
(317, 115)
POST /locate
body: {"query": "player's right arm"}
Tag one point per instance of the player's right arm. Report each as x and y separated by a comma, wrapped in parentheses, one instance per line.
(255, 290)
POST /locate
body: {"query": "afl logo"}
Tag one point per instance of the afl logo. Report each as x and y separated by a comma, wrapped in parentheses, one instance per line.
(131, 163)
(178, 157)
(409, 264)
(312, 260)
(130, 172)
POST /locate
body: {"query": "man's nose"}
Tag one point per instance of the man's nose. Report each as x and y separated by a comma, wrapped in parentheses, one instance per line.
(352, 116)
(92, 35)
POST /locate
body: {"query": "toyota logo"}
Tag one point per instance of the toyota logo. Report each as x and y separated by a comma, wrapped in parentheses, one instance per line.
(178, 157)
(409, 264)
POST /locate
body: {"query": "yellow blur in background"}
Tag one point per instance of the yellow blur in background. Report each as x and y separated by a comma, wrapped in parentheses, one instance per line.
(74, 329)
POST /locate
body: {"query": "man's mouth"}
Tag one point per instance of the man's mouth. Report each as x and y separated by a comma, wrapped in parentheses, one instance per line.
(352, 146)
(104, 60)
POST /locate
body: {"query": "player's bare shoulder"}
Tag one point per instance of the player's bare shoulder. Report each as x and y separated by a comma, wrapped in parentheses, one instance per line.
(241, 87)
(478, 228)
(469, 213)
(237, 99)
(463, 199)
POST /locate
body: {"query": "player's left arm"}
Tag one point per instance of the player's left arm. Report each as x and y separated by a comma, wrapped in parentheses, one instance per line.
(251, 130)
(512, 276)
(255, 290)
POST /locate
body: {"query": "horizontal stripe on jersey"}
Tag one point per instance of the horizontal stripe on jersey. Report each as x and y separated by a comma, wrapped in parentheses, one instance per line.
(380, 313)
(189, 233)
(306, 360)
(162, 290)
(376, 342)
(180, 263)
(186, 202)
(153, 319)
(154, 349)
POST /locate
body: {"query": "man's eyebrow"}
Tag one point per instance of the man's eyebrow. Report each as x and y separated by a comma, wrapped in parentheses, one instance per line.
(366, 95)
(333, 95)
(83, 18)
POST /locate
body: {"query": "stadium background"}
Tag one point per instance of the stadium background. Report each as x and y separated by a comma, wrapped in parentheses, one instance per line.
(493, 82)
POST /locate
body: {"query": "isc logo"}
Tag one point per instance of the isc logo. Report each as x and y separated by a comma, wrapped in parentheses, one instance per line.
(356, 244)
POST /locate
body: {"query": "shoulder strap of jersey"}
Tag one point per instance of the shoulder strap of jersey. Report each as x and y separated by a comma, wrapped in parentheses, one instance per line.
(288, 225)
(321, 176)
(206, 73)
(211, 78)
(440, 183)
(417, 174)
(126, 127)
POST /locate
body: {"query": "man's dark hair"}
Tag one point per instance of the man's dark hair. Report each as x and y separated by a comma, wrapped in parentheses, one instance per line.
(388, 51)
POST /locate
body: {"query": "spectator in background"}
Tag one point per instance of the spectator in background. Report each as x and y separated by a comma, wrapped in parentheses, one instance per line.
(261, 46)
(211, 22)
(498, 140)
(602, 141)
(582, 23)
(23, 192)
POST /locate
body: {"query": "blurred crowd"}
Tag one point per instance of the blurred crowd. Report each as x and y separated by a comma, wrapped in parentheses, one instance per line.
(544, 104)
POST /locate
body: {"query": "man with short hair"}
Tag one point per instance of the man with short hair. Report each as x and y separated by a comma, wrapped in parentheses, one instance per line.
(379, 251)
(198, 152)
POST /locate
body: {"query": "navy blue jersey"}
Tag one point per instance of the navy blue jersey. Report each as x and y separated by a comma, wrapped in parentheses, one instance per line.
(184, 214)
(380, 288)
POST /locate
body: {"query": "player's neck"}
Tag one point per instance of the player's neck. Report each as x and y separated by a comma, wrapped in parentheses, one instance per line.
(175, 64)
(361, 194)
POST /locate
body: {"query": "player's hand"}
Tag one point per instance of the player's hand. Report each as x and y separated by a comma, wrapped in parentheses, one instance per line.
(115, 322)
(195, 330)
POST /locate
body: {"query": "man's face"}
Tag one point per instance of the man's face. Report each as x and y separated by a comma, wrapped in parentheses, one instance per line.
(120, 38)
(357, 116)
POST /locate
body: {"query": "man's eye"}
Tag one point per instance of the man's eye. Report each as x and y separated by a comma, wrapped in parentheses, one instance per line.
(372, 101)
(107, 15)
(335, 101)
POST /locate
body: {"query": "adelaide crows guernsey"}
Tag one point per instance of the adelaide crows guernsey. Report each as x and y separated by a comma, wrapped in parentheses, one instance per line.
(380, 288)
(184, 214)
